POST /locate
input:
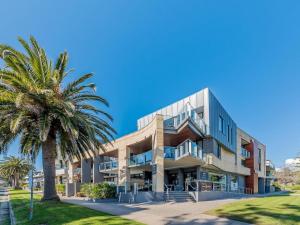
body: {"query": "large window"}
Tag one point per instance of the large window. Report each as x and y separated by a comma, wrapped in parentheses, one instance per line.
(219, 150)
(259, 159)
(228, 133)
(221, 124)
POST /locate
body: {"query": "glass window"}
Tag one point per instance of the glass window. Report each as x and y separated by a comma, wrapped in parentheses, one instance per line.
(228, 133)
(221, 124)
(219, 150)
(259, 159)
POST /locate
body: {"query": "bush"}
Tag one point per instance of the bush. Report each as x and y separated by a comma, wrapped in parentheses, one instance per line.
(61, 189)
(277, 186)
(86, 190)
(104, 190)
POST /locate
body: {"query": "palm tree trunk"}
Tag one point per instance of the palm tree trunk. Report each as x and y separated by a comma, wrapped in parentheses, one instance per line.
(17, 183)
(49, 155)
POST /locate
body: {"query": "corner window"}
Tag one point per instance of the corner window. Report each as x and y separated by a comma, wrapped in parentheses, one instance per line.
(219, 150)
(221, 124)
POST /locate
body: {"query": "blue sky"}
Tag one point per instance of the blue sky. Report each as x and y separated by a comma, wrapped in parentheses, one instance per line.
(147, 54)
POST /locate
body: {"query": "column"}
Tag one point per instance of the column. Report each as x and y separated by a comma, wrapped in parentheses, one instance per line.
(86, 170)
(124, 171)
(70, 172)
(97, 176)
(158, 158)
(180, 176)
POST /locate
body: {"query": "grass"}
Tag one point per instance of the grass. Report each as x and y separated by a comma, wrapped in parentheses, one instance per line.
(283, 209)
(57, 213)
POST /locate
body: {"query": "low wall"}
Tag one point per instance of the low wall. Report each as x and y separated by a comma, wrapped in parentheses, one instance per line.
(141, 197)
(213, 195)
(72, 189)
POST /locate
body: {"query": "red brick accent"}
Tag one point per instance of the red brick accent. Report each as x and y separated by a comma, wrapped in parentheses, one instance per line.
(252, 180)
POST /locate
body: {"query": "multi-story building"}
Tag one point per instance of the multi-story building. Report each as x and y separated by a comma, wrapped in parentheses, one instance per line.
(190, 145)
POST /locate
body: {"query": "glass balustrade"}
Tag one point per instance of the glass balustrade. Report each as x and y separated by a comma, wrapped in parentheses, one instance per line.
(108, 165)
(245, 153)
(141, 159)
(188, 147)
(174, 122)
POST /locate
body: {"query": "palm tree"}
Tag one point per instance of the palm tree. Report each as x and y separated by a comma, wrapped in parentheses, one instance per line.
(37, 105)
(14, 169)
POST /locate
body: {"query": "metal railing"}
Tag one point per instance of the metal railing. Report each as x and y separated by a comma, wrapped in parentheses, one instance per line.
(108, 165)
(204, 185)
(186, 113)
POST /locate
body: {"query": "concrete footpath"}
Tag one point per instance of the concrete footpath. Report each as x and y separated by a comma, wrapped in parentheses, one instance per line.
(161, 213)
(4, 210)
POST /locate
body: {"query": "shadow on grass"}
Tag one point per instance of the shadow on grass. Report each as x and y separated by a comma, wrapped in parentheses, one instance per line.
(255, 214)
(55, 213)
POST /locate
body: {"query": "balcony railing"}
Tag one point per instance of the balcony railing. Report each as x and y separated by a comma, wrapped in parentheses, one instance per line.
(188, 147)
(245, 153)
(141, 159)
(108, 165)
(176, 121)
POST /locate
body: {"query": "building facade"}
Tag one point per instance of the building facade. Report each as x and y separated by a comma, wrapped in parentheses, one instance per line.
(190, 145)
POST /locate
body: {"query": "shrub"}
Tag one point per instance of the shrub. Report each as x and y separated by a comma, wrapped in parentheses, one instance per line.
(277, 186)
(61, 188)
(86, 190)
(104, 190)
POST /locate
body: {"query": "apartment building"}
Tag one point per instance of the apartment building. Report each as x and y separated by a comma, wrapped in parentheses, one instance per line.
(192, 145)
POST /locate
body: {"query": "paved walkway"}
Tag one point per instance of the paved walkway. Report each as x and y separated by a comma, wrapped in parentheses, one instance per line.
(4, 212)
(161, 213)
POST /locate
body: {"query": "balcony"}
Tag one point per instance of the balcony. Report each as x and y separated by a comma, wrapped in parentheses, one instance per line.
(109, 165)
(213, 161)
(183, 116)
(187, 148)
(141, 159)
(60, 171)
(245, 153)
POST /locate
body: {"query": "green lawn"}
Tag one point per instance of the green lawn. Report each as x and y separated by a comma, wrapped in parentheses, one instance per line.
(57, 213)
(277, 210)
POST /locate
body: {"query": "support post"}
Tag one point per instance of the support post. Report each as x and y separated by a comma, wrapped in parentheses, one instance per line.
(86, 170)
(97, 176)
(158, 159)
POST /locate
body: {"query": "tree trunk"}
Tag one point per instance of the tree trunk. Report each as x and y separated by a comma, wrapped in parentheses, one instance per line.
(49, 155)
(17, 183)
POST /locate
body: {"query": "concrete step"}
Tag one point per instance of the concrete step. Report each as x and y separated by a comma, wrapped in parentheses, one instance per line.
(178, 196)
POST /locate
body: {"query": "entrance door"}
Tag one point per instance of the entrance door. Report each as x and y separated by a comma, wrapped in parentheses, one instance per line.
(173, 180)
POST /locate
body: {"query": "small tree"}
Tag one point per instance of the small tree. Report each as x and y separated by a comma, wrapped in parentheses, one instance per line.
(14, 169)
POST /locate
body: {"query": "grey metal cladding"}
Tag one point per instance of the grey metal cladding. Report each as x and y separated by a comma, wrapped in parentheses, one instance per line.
(215, 111)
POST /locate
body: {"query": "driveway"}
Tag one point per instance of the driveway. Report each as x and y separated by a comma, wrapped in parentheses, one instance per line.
(158, 213)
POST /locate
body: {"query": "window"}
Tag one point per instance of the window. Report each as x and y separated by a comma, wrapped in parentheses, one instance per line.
(201, 115)
(231, 136)
(228, 133)
(219, 150)
(221, 124)
(259, 159)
